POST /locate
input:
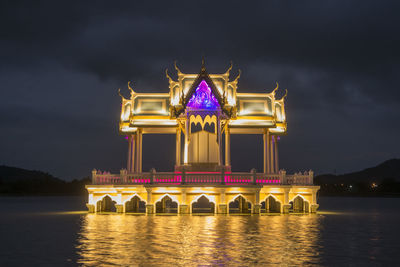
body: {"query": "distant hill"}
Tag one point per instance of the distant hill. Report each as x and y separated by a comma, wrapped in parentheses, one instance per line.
(381, 179)
(17, 181)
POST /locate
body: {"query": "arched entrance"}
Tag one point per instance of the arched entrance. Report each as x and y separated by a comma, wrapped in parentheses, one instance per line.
(270, 205)
(203, 205)
(299, 205)
(106, 204)
(166, 205)
(135, 205)
(239, 205)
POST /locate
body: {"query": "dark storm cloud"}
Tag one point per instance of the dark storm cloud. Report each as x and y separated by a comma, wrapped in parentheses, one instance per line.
(339, 60)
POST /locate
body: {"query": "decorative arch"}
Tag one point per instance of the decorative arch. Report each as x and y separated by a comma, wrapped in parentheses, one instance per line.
(132, 196)
(299, 206)
(174, 198)
(113, 198)
(167, 206)
(135, 204)
(211, 200)
(102, 205)
(199, 120)
(241, 195)
(243, 206)
(271, 207)
(298, 195)
(271, 195)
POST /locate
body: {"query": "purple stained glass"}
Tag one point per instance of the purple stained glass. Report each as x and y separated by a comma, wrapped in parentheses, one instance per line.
(203, 98)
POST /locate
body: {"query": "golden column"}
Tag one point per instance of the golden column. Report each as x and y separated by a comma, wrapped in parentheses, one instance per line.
(131, 153)
(276, 154)
(271, 154)
(178, 146)
(138, 151)
(267, 162)
(227, 146)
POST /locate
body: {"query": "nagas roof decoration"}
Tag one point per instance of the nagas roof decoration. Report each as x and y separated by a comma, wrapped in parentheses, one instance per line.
(203, 91)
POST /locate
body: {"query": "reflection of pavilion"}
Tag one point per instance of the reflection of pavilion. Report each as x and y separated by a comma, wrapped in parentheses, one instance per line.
(202, 109)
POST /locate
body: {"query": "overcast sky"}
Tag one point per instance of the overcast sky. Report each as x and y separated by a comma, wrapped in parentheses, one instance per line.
(61, 65)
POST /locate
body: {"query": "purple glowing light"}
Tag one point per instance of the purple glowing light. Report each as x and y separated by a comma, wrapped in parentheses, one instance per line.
(203, 98)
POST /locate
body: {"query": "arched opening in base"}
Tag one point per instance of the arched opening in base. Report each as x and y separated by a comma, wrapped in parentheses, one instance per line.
(270, 205)
(135, 205)
(299, 205)
(240, 205)
(106, 204)
(166, 205)
(203, 205)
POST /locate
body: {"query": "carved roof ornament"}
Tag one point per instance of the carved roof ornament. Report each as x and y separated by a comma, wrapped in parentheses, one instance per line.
(229, 69)
(235, 81)
(119, 93)
(177, 69)
(284, 96)
(133, 93)
(276, 88)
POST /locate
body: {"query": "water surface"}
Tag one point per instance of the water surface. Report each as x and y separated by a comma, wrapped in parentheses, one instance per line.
(50, 231)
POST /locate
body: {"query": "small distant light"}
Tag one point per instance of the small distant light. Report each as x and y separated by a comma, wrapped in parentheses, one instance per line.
(126, 137)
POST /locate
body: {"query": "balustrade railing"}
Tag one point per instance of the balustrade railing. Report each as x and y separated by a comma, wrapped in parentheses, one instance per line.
(212, 178)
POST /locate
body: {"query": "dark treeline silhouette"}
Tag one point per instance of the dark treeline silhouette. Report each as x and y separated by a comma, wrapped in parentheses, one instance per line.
(17, 181)
(381, 180)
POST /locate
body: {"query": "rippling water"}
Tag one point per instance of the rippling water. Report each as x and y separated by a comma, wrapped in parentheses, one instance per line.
(348, 231)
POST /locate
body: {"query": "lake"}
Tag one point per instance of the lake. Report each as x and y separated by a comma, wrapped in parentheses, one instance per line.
(56, 231)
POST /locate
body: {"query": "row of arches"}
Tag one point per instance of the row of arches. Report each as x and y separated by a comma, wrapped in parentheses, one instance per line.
(203, 205)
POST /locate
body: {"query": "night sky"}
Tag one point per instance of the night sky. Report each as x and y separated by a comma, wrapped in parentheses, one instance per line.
(62, 62)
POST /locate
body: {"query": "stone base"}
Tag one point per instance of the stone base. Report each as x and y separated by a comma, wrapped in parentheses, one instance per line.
(257, 209)
(285, 208)
(91, 208)
(184, 209)
(313, 208)
(150, 208)
(222, 209)
(120, 208)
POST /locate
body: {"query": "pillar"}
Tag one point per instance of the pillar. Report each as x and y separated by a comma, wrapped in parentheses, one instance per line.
(178, 147)
(149, 204)
(131, 153)
(227, 147)
(129, 163)
(313, 206)
(257, 205)
(222, 207)
(286, 205)
(184, 207)
(140, 150)
(187, 136)
(220, 161)
(271, 154)
(266, 147)
(276, 156)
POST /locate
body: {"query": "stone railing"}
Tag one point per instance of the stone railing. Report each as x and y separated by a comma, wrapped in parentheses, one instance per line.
(212, 178)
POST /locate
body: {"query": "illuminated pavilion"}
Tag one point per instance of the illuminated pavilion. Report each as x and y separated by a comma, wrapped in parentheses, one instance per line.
(202, 110)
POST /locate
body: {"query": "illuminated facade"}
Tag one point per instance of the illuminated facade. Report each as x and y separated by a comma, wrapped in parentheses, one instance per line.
(202, 110)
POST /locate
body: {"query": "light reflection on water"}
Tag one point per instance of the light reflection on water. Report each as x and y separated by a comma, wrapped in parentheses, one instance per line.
(199, 240)
(49, 231)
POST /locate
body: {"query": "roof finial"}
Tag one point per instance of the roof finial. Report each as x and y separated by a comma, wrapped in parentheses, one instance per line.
(130, 88)
(283, 97)
(203, 67)
(237, 77)
(177, 69)
(276, 88)
(119, 92)
(166, 74)
(229, 69)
